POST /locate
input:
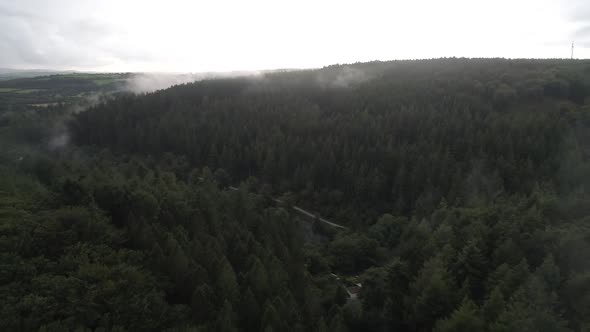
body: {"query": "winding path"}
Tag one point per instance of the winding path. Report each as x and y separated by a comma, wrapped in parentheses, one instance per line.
(306, 213)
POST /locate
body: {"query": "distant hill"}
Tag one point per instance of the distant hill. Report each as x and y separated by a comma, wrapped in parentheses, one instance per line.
(10, 73)
(44, 90)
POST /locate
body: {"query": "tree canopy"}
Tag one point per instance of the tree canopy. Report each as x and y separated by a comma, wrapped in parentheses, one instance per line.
(462, 183)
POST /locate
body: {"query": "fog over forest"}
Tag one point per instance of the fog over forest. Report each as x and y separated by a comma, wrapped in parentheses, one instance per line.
(310, 166)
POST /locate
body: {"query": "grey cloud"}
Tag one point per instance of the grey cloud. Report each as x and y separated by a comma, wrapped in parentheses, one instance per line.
(580, 11)
(576, 14)
(86, 30)
(30, 40)
(16, 41)
(582, 36)
(12, 12)
(583, 33)
(74, 34)
(579, 14)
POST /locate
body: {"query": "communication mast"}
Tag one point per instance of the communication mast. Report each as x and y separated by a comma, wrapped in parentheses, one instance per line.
(572, 51)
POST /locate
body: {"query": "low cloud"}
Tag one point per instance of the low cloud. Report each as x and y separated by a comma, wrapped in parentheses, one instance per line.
(149, 82)
(342, 77)
(60, 134)
(59, 141)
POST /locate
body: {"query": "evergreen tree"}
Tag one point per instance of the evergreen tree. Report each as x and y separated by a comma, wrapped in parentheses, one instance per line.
(464, 319)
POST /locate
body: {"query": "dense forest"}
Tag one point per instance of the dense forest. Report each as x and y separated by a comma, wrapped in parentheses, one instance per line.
(462, 183)
(358, 141)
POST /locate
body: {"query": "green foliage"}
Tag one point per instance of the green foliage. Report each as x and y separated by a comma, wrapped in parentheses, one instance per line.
(126, 248)
(431, 296)
(353, 253)
(465, 319)
(463, 183)
(401, 141)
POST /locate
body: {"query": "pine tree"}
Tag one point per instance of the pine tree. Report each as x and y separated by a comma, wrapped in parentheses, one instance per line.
(249, 311)
(203, 303)
(431, 295)
(270, 318)
(337, 323)
(494, 305)
(549, 272)
(226, 282)
(464, 319)
(226, 319)
(472, 264)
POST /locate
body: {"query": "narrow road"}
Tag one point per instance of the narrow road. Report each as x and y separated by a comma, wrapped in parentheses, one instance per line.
(306, 213)
(309, 214)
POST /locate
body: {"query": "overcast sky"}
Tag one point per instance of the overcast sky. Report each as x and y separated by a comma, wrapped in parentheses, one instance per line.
(223, 35)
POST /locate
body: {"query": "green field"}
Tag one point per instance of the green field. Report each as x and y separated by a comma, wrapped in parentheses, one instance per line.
(105, 81)
(17, 90)
(27, 90)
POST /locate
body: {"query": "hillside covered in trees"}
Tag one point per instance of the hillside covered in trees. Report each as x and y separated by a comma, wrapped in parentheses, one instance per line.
(462, 183)
(361, 140)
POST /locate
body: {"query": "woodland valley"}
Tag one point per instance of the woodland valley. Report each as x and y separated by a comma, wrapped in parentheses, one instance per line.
(412, 195)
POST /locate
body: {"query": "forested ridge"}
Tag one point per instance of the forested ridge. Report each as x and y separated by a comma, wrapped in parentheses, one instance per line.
(463, 184)
(357, 141)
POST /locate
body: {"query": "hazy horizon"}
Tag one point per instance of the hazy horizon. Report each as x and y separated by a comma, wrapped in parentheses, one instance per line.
(184, 36)
(252, 71)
